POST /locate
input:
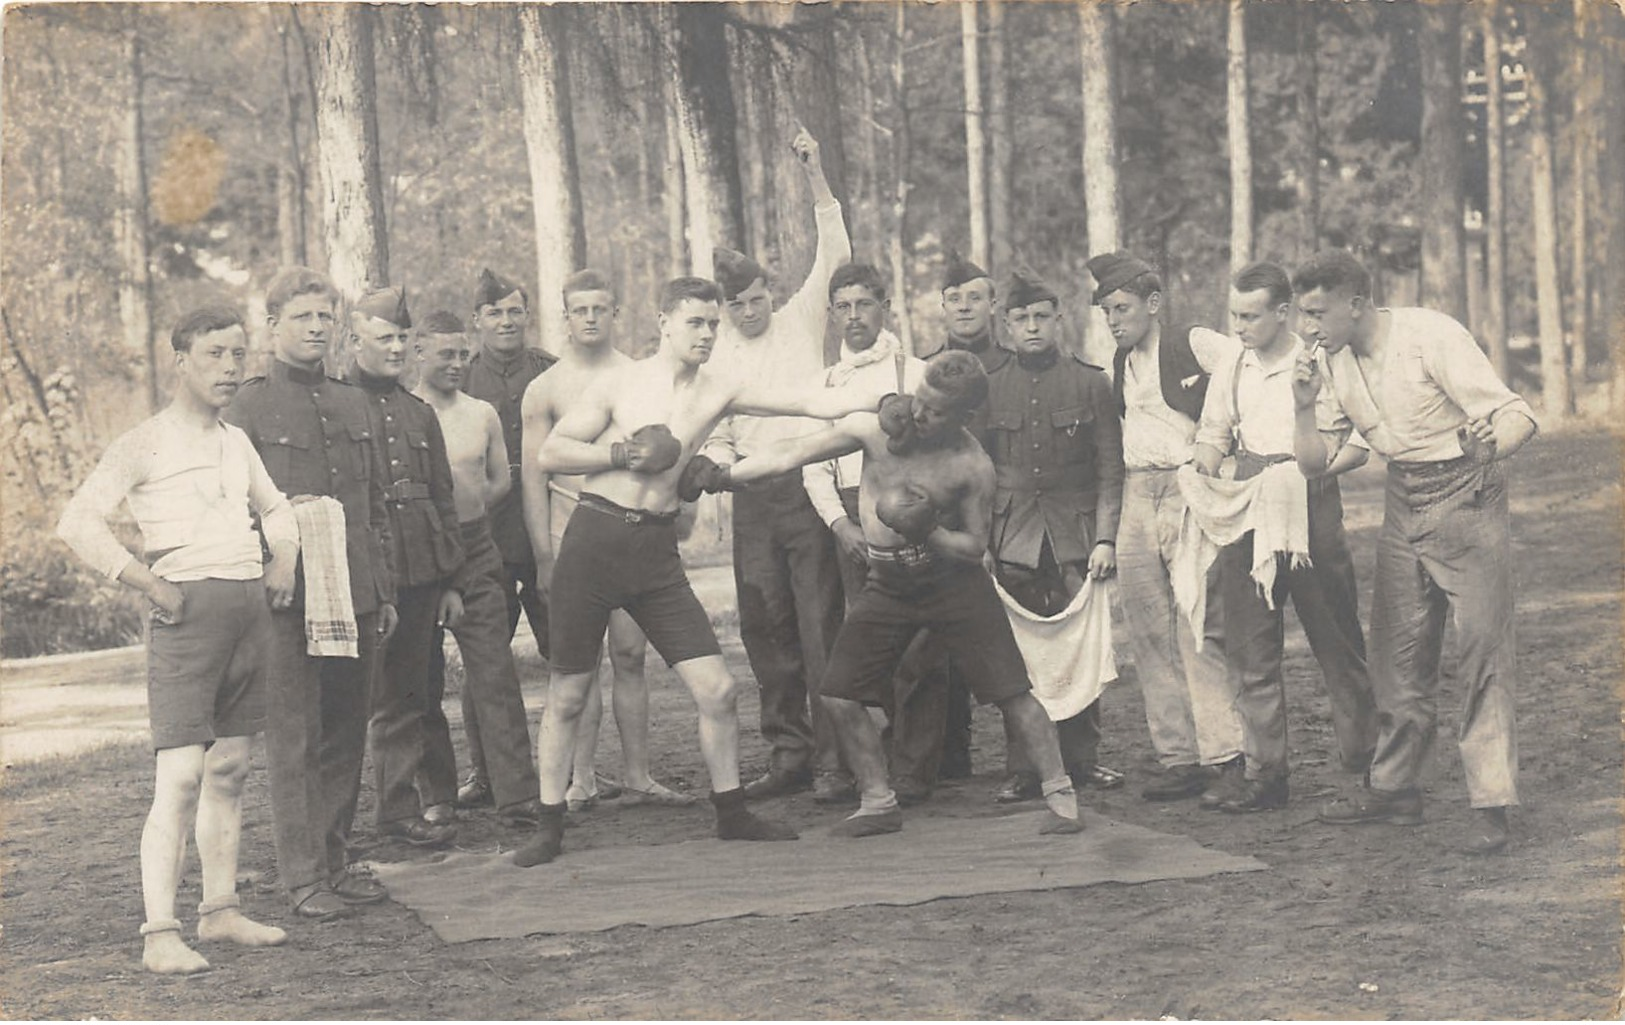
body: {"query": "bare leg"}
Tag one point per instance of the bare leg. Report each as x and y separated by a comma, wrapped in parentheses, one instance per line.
(1032, 724)
(583, 790)
(630, 698)
(715, 695)
(178, 776)
(567, 695)
(219, 830)
(860, 742)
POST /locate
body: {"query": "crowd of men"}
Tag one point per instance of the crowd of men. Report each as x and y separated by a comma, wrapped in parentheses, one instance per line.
(311, 535)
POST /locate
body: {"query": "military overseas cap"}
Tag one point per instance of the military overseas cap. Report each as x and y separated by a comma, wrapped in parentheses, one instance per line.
(735, 271)
(1025, 288)
(1114, 270)
(387, 304)
(961, 270)
(493, 288)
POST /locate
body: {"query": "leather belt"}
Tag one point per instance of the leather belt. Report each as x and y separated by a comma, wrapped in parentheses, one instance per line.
(405, 491)
(635, 517)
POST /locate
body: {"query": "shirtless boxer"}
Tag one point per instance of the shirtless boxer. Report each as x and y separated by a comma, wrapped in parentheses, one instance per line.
(631, 436)
(926, 506)
(549, 500)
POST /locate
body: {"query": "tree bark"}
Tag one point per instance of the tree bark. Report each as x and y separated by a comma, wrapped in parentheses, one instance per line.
(975, 154)
(1102, 209)
(347, 147)
(555, 180)
(707, 137)
(1610, 37)
(1241, 150)
(130, 224)
(1583, 146)
(1309, 112)
(1555, 389)
(900, 176)
(1444, 282)
(1494, 329)
(1001, 165)
(291, 176)
(672, 192)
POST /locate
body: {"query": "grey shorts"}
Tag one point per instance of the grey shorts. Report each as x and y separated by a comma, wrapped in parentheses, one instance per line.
(206, 673)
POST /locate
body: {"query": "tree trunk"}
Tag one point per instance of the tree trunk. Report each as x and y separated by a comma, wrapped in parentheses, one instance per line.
(900, 175)
(707, 137)
(1555, 389)
(1241, 149)
(672, 193)
(130, 225)
(1444, 282)
(347, 147)
(1309, 111)
(975, 155)
(1102, 210)
(555, 180)
(752, 85)
(291, 175)
(1583, 146)
(1610, 36)
(1494, 329)
(866, 217)
(1001, 168)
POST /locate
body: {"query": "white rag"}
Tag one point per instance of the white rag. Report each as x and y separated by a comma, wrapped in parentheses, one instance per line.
(330, 628)
(1273, 505)
(1069, 655)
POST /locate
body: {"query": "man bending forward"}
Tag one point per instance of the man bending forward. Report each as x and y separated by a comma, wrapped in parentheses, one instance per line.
(926, 504)
(632, 435)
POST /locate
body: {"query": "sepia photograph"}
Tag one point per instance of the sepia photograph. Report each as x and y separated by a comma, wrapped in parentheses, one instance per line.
(778, 510)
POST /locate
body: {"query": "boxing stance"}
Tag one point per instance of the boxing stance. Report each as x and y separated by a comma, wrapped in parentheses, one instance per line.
(926, 503)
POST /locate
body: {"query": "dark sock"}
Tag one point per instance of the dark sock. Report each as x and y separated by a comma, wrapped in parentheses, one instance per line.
(736, 822)
(549, 840)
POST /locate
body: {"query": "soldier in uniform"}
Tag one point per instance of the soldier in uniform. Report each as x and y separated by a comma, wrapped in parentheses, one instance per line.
(502, 369)
(314, 434)
(428, 555)
(1057, 450)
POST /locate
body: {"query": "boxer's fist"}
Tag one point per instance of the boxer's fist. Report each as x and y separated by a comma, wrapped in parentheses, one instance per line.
(896, 414)
(650, 450)
(702, 476)
(908, 511)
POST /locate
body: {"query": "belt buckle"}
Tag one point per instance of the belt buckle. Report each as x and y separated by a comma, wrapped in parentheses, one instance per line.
(633, 517)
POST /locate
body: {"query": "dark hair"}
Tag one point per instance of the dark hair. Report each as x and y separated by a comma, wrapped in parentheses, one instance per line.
(293, 282)
(587, 280)
(1333, 270)
(441, 322)
(958, 375)
(864, 275)
(1143, 285)
(1271, 276)
(678, 289)
(202, 321)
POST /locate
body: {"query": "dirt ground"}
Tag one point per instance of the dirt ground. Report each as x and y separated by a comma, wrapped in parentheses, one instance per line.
(1368, 922)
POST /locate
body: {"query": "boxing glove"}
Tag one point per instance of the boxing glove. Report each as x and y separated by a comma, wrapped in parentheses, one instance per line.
(651, 449)
(702, 476)
(908, 511)
(896, 414)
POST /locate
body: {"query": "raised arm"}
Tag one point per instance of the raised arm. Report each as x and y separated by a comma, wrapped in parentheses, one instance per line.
(844, 436)
(572, 445)
(820, 403)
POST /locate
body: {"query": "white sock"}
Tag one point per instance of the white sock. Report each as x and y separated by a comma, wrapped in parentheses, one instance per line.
(1061, 798)
(875, 805)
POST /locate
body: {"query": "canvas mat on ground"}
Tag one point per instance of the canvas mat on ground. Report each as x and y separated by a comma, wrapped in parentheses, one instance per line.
(484, 896)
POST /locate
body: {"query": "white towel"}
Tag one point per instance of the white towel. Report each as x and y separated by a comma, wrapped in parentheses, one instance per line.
(1273, 505)
(330, 628)
(1069, 655)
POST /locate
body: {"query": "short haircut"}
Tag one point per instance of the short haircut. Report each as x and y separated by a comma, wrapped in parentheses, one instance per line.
(201, 321)
(292, 282)
(1144, 285)
(1265, 275)
(442, 322)
(863, 274)
(586, 280)
(678, 289)
(1334, 270)
(958, 375)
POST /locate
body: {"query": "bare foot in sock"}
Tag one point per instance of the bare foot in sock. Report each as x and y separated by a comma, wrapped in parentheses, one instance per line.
(232, 926)
(743, 825)
(874, 824)
(1056, 825)
(167, 954)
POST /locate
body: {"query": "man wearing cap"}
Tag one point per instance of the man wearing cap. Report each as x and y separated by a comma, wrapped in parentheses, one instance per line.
(314, 434)
(1057, 451)
(1248, 414)
(1160, 379)
(590, 311)
(502, 369)
(785, 569)
(1419, 389)
(428, 555)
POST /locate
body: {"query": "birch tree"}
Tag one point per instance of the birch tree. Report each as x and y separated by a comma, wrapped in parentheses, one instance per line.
(555, 181)
(1444, 279)
(706, 137)
(1102, 203)
(1240, 143)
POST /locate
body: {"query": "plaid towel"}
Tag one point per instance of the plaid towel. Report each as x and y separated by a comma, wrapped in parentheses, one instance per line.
(329, 614)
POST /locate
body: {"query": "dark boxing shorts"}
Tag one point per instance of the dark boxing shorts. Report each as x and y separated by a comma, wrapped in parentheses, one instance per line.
(909, 589)
(206, 673)
(616, 558)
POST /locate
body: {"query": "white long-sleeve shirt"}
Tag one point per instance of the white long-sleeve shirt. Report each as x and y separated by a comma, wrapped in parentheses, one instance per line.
(789, 353)
(1155, 436)
(191, 491)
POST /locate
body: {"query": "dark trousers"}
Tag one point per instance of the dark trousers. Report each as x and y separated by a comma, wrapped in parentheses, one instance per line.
(437, 769)
(1326, 598)
(517, 585)
(790, 605)
(315, 738)
(401, 694)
